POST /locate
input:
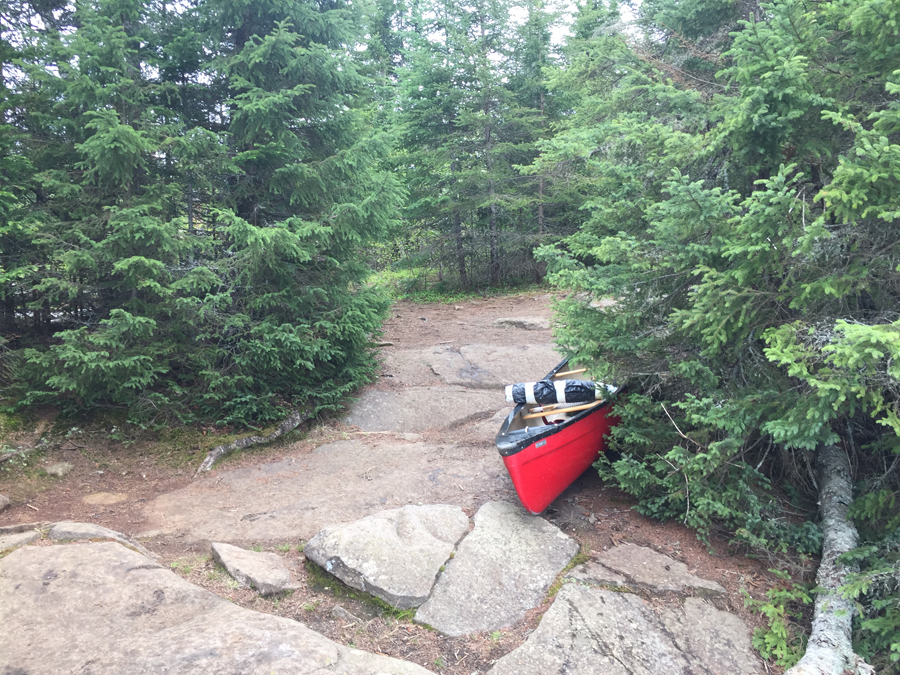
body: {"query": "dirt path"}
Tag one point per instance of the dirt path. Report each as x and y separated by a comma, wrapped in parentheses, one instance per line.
(277, 498)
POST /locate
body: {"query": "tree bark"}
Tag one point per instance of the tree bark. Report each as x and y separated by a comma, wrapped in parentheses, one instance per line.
(540, 215)
(830, 650)
(495, 242)
(292, 422)
(541, 186)
(460, 253)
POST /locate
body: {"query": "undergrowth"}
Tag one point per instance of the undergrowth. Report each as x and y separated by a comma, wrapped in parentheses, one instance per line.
(787, 609)
(414, 284)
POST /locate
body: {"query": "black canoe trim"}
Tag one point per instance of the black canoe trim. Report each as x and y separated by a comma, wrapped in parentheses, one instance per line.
(511, 442)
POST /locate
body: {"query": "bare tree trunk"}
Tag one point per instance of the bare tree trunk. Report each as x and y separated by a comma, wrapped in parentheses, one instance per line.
(494, 235)
(541, 186)
(830, 651)
(541, 207)
(460, 253)
(495, 243)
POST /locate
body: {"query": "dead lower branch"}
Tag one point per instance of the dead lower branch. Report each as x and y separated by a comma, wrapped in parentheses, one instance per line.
(296, 419)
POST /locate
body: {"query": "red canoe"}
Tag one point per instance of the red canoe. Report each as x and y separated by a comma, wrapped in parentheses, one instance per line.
(546, 453)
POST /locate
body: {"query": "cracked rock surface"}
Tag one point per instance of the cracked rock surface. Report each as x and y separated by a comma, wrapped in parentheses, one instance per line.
(503, 568)
(524, 322)
(641, 567)
(490, 366)
(395, 555)
(600, 632)
(68, 530)
(337, 483)
(17, 539)
(421, 408)
(105, 609)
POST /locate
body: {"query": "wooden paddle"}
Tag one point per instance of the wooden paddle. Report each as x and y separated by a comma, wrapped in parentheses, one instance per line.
(571, 372)
(548, 407)
(551, 412)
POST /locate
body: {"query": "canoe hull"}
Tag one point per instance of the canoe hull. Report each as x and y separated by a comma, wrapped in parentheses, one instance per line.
(545, 460)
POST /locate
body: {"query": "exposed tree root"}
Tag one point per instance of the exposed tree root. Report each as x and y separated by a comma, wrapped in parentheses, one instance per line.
(296, 419)
(830, 651)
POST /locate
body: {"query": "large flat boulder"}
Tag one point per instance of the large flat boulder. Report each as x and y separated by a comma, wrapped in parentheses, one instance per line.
(477, 365)
(395, 555)
(524, 322)
(337, 483)
(718, 639)
(264, 571)
(492, 366)
(503, 568)
(107, 610)
(590, 631)
(415, 409)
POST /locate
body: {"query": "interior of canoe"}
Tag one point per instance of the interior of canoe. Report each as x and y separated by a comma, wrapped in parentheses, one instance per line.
(532, 416)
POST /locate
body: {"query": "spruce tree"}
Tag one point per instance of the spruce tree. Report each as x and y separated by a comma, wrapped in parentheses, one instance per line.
(200, 198)
(738, 173)
(472, 116)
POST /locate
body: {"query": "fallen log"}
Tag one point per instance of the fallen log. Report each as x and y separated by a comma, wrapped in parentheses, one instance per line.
(297, 418)
(830, 650)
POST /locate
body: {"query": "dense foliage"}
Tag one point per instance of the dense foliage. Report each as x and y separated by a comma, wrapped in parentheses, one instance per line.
(741, 167)
(192, 196)
(185, 198)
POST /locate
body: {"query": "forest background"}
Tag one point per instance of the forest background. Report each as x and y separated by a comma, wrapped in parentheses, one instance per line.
(193, 197)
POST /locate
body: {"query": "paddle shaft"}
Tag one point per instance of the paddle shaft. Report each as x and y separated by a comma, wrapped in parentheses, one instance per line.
(551, 412)
(571, 372)
(546, 407)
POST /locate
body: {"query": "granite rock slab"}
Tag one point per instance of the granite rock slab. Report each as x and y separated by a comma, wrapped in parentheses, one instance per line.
(710, 636)
(595, 574)
(492, 366)
(338, 482)
(591, 631)
(71, 531)
(24, 527)
(395, 555)
(18, 539)
(524, 322)
(108, 610)
(645, 568)
(415, 409)
(501, 569)
(264, 571)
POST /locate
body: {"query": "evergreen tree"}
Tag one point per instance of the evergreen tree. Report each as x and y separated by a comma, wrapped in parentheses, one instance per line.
(199, 203)
(739, 175)
(540, 110)
(471, 117)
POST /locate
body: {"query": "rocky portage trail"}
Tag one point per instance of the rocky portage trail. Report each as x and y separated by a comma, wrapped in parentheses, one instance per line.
(388, 540)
